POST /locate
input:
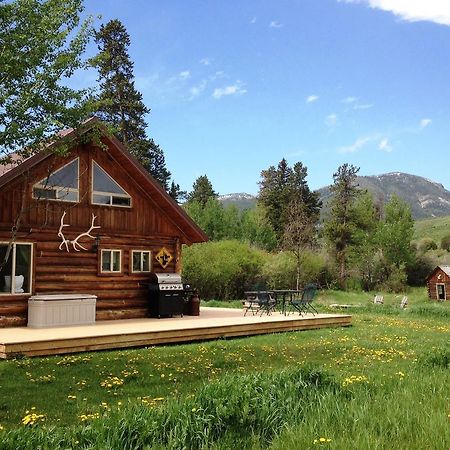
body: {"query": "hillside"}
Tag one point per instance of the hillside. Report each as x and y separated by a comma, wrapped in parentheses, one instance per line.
(426, 198)
(435, 228)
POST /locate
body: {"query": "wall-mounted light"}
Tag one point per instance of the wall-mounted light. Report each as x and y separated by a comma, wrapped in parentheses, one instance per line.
(96, 243)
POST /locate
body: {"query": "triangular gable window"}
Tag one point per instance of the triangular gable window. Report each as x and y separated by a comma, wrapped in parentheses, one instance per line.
(62, 184)
(105, 190)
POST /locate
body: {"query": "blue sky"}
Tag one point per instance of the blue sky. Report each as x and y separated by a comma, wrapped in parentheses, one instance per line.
(234, 86)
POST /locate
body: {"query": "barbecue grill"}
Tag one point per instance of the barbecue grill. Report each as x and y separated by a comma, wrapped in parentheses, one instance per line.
(166, 294)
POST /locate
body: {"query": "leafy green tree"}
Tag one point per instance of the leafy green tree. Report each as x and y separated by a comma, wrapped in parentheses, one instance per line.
(42, 43)
(396, 233)
(209, 217)
(202, 191)
(279, 187)
(340, 226)
(256, 229)
(364, 255)
(121, 104)
(299, 232)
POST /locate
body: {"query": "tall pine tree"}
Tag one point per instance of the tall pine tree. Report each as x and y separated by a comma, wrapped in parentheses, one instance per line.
(340, 228)
(120, 104)
(202, 191)
(280, 187)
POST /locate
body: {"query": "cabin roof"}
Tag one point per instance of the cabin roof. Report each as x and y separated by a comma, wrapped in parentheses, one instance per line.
(444, 268)
(191, 231)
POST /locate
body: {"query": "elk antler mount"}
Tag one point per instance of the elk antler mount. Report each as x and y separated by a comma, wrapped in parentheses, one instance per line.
(75, 244)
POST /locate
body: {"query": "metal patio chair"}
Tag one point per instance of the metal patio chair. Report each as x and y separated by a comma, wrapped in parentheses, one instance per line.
(259, 302)
(304, 303)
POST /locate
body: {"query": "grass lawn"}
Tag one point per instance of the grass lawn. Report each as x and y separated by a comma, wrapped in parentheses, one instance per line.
(381, 384)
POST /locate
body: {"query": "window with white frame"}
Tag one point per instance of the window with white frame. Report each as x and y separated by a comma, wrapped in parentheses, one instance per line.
(140, 261)
(105, 190)
(62, 184)
(111, 261)
(15, 268)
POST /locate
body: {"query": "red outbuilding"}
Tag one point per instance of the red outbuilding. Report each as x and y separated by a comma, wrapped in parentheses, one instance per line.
(438, 283)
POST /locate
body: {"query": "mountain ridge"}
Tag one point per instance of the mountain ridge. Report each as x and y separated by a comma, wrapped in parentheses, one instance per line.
(426, 197)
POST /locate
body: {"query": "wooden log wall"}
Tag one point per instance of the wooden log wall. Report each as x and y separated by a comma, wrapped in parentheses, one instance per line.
(144, 226)
(119, 296)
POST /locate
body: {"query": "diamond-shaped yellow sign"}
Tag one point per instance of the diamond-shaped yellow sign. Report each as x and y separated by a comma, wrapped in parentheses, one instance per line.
(164, 257)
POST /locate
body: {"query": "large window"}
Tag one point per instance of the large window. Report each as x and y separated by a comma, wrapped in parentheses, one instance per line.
(111, 261)
(106, 191)
(62, 185)
(15, 268)
(140, 261)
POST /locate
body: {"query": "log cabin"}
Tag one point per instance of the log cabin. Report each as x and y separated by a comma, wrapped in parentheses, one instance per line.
(92, 221)
(438, 284)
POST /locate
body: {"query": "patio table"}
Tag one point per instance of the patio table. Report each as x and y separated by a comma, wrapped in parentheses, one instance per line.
(284, 297)
(259, 301)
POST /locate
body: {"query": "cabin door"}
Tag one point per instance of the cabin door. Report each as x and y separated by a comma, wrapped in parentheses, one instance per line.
(441, 295)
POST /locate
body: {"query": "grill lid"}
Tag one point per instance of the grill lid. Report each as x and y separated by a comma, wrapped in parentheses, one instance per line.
(165, 278)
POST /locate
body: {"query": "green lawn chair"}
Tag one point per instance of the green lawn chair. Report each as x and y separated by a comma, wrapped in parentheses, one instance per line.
(304, 303)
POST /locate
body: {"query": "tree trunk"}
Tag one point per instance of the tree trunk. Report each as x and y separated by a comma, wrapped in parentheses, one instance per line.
(342, 271)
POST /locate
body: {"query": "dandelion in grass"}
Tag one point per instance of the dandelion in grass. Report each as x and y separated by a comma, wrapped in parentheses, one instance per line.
(352, 379)
(32, 417)
(1, 427)
(86, 417)
(111, 382)
(71, 397)
(322, 441)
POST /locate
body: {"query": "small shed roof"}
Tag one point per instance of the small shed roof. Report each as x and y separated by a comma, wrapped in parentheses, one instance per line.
(444, 268)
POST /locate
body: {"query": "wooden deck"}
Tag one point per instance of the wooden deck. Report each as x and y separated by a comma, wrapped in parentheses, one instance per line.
(212, 323)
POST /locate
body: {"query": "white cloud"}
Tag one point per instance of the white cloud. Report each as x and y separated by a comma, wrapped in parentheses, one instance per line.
(357, 145)
(195, 91)
(385, 145)
(217, 75)
(363, 106)
(437, 11)
(205, 61)
(424, 123)
(184, 75)
(312, 98)
(349, 100)
(235, 89)
(275, 24)
(331, 120)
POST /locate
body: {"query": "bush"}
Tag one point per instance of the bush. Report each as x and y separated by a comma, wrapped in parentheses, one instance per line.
(445, 243)
(222, 270)
(396, 281)
(426, 244)
(280, 270)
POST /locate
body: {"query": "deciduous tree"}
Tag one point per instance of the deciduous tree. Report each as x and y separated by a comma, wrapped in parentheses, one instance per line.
(41, 46)
(299, 232)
